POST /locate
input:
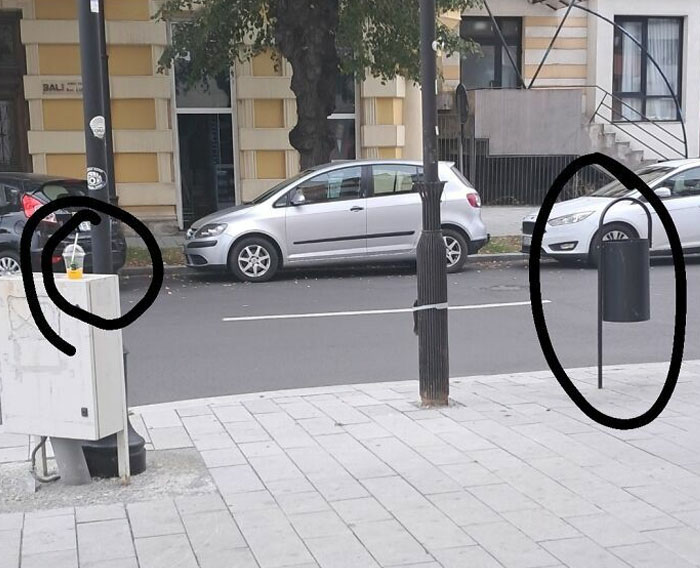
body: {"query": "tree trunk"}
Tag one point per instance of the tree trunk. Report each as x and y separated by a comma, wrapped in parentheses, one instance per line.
(305, 34)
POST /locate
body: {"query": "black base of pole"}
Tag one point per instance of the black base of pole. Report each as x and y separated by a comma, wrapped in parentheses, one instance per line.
(101, 456)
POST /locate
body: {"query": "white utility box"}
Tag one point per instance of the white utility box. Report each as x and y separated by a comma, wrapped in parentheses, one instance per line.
(47, 393)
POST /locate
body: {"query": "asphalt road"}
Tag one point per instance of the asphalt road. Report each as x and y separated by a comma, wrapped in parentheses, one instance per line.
(182, 348)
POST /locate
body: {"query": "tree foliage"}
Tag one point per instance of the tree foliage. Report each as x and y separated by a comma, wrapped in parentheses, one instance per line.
(320, 39)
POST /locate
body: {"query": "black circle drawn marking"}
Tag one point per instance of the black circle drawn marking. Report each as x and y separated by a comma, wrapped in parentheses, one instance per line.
(631, 181)
(88, 204)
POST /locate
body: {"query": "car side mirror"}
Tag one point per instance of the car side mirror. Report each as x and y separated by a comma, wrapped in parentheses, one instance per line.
(662, 192)
(298, 199)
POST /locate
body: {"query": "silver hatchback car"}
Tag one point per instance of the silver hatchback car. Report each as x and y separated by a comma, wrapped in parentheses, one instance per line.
(357, 211)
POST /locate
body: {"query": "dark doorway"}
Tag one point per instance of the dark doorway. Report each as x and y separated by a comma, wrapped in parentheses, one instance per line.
(206, 164)
(14, 123)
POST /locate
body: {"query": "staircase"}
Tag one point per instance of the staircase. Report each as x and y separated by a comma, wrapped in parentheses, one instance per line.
(609, 141)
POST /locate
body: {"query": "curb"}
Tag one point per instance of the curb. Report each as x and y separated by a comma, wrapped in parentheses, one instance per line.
(498, 257)
(181, 269)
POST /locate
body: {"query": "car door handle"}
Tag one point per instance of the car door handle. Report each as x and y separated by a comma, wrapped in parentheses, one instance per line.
(357, 208)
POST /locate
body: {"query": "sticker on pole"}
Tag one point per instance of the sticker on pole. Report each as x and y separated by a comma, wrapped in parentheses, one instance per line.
(97, 125)
(96, 179)
(95, 6)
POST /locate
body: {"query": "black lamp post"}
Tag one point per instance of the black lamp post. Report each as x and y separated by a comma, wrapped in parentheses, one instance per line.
(431, 314)
(101, 455)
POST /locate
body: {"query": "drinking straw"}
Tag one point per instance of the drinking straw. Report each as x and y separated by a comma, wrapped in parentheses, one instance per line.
(75, 246)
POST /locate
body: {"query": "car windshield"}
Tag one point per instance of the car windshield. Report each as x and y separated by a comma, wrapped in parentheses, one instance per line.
(270, 192)
(617, 189)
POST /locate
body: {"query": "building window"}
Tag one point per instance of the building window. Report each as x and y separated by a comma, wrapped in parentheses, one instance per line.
(343, 119)
(640, 91)
(491, 68)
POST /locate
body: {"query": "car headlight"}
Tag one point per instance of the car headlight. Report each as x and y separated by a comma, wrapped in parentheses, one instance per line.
(210, 230)
(569, 219)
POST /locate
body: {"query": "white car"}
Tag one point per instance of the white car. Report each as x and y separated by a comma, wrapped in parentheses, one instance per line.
(572, 228)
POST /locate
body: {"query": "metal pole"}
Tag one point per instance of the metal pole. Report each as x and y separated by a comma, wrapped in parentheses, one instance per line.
(107, 108)
(600, 314)
(95, 153)
(431, 314)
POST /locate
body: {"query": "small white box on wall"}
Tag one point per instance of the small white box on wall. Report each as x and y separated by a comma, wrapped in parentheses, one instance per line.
(45, 392)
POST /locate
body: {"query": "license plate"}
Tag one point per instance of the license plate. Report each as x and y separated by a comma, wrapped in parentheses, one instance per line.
(527, 240)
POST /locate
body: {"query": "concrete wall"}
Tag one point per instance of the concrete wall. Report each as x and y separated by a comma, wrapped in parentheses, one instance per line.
(534, 122)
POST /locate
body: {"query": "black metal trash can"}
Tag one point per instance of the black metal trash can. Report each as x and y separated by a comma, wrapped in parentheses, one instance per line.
(625, 275)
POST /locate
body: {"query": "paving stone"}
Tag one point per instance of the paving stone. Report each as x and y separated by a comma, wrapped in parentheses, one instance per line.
(582, 553)
(165, 552)
(354, 457)
(223, 457)
(193, 504)
(649, 555)
(116, 563)
(213, 532)
(48, 534)
(154, 518)
(289, 486)
(10, 547)
(471, 556)
(244, 432)
(260, 406)
(274, 468)
(13, 440)
(161, 419)
(685, 542)
(17, 454)
(193, 411)
(213, 441)
(60, 559)
(502, 498)
(272, 539)
(540, 524)
(11, 521)
(324, 523)
(235, 558)
(340, 551)
(235, 479)
(235, 413)
(170, 438)
(510, 546)
(361, 510)
(390, 543)
(250, 501)
(93, 513)
(470, 474)
(104, 540)
(304, 502)
(432, 528)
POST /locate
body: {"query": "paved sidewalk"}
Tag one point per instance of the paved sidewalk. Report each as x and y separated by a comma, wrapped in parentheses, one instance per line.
(505, 220)
(511, 474)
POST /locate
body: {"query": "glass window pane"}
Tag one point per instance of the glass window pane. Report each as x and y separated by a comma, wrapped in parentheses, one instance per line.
(478, 71)
(7, 134)
(631, 108)
(391, 179)
(206, 163)
(628, 66)
(343, 131)
(345, 94)
(337, 185)
(215, 92)
(664, 46)
(476, 28)
(509, 77)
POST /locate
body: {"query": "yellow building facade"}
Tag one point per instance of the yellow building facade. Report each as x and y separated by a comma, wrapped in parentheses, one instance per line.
(154, 158)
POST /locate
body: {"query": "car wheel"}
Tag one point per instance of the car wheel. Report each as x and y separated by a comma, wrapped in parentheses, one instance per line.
(456, 249)
(253, 259)
(9, 263)
(610, 232)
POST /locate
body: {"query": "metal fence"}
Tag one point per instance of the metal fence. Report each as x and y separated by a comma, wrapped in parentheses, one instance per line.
(512, 180)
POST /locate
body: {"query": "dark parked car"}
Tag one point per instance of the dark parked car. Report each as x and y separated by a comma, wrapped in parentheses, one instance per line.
(20, 196)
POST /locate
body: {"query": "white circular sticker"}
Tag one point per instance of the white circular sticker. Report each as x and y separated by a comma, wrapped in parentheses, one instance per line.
(96, 179)
(97, 125)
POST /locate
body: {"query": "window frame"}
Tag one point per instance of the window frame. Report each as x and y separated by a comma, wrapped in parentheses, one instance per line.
(670, 178)
(495, 41)
(642, 95)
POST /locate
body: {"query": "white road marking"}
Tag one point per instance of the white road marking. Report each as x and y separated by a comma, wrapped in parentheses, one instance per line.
(372, 312)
